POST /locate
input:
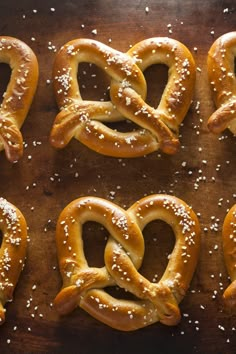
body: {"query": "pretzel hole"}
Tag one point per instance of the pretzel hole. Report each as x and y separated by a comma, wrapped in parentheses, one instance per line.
(93, 82)
(120, 293)
(5, 75)
(159, 243)
(95, 239)
(155, 87)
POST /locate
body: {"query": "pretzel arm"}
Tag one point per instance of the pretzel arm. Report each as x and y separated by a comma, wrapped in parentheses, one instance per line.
(145, 116)
(224, 117)
(123, 270)
(108, 142)
(70, 296)
(19, 94)
(220, 64)
(70, 121)
(229, 250)
(12, 251)
(99, 137)
(84, 122)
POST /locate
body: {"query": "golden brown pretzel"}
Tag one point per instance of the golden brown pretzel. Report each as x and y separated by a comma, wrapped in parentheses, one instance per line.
(83, 285)
(221, 72)
(12, 251)
(229, 249)
(85, 120)
(19, 94)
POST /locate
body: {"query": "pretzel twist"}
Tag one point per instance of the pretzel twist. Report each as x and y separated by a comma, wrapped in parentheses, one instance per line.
(18, 96)
(12, 251)
(85, 120)
(221, 72)
(229, 250)
(124, 251)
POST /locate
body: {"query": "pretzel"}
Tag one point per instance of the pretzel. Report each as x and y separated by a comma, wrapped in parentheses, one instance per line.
(18, 96)
(229, 250)
(84, 286)
(223, 83)
(84, 120)
(12, 251)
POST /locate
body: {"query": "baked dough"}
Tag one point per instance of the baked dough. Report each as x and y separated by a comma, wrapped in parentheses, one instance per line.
(19, 94)
(12, 251)
(84, 286)
(84, 120)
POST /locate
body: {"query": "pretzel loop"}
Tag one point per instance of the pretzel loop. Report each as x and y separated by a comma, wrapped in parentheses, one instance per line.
(84, 120)
(83, 285)
(221, 72)
(18, 96)
(12, 251)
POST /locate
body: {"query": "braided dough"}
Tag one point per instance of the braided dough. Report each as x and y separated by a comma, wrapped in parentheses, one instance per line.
(18, 96)
(229, 249)
(124, 251)
(85, 120)
(221, 72)
(12, 251)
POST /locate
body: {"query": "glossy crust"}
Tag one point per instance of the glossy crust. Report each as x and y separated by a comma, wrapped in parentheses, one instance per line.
(18, 96)
(84, 286)
(229, 249)
(84, 120)
(221, 72)
(12, 252)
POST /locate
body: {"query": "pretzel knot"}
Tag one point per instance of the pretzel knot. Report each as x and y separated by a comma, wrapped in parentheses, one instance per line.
(18, 96)
(124, 251)
(84, 120)
(221, 72)
(13, 229)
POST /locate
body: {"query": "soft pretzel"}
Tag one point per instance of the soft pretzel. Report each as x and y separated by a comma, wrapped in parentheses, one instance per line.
(18, 96)
(84, 286)
(221, 72)
(85, 120)
(229, 250)
(12, 251)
